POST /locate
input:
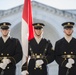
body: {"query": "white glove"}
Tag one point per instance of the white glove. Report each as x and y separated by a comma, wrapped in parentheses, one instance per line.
(71, 61)
(68, 65)
(2, 65)
(6, 61)
(39, 62)
(24, 72)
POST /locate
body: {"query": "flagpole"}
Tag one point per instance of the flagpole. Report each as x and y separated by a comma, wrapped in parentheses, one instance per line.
(26, 27)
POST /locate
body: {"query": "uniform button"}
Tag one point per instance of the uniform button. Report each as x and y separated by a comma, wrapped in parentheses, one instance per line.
(7, 54)
(64, 52)
(34, 68)
(40, 54)
(71, 52)
(30, 49)
(40, 67)
(7, 67)
(35, 53)
(5, 57)
(1, 53)
(32, 54)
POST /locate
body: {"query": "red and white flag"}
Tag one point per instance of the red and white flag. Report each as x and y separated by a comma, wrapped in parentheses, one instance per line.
(27, 28)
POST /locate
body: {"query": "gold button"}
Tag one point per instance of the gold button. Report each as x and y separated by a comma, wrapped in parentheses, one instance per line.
(40, 54)
(1, 53)
(69, 56)
(35, 53)
(71, 52)
(7, 54)
(32, 54)
(40, 68)
(64, 52)
(7, 67)
(34, 68)
(5, 57)
(45, 49)
(30, 49)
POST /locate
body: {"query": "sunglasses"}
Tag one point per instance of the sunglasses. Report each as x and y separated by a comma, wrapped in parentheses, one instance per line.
(38, 28)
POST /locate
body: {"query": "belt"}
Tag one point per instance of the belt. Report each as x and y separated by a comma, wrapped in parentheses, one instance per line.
(68, 56)
(7, 57)
(37, 56)
(3, 57)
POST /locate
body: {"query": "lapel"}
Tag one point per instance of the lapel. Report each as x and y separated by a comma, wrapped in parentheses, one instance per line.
(35, 46)
(4, 46)
(67, 41)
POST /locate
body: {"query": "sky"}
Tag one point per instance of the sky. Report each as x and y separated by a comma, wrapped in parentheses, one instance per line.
(60, 4)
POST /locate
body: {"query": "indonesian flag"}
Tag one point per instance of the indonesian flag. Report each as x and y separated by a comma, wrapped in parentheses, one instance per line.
(27, 28)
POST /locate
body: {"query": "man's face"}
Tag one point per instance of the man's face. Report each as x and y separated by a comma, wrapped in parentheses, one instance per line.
(4, 32)
(38, 32)
(68, 31)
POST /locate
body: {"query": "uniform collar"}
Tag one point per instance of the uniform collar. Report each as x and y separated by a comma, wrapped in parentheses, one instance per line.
(5, 38)
(38, 39)
(68, 38)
